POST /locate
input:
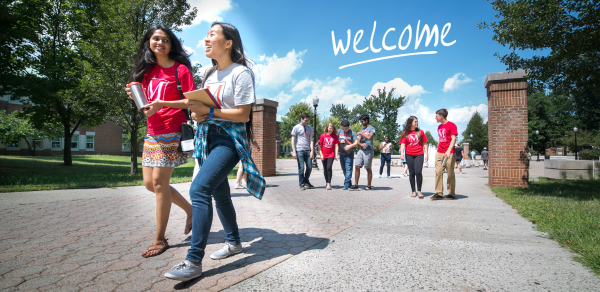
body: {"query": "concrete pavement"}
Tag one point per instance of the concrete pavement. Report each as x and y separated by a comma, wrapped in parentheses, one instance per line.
(91, 240)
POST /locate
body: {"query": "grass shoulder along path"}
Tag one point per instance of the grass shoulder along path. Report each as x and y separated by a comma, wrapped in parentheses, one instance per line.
(569, 211)
(27, 173)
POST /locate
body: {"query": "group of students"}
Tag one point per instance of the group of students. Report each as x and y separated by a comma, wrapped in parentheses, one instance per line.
(221, 139)
(413, 149)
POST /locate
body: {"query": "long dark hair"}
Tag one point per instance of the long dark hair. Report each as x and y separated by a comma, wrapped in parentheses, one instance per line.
(145, 58)
(408, 126)
(237, 49)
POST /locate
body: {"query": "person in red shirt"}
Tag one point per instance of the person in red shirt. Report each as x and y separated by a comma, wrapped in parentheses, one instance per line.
(445, 156)
(329, 146)
(159, 56)
(413, 142)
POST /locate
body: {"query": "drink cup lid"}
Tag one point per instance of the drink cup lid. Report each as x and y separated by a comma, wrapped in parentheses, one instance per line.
(133, 83)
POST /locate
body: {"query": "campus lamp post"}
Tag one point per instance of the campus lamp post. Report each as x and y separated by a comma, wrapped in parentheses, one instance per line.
(537, 143)
(314, 162)
(575, 130)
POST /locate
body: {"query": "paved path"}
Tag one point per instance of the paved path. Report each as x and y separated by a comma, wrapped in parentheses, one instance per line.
(475, 243)
(91, 240)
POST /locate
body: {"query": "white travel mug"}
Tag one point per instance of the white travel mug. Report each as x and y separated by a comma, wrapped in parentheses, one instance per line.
(139, 97)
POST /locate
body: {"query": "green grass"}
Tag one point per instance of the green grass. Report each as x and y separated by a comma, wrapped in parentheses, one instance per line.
(569, 211)
(19, 173)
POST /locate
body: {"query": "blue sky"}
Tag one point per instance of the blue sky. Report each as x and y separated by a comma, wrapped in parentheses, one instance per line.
(291, 44)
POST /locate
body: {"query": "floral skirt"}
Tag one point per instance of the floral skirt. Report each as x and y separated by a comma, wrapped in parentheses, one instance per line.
(163, 151)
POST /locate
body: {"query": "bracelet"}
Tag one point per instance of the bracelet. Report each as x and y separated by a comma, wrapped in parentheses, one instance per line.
(211, 113)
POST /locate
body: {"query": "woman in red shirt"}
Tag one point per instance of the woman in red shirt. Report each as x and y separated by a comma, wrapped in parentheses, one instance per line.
(329, 146)
(159, 56)
(413, 141)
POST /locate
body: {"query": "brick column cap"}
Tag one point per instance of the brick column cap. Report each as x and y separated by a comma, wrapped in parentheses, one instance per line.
(501, 77)
(267, 102)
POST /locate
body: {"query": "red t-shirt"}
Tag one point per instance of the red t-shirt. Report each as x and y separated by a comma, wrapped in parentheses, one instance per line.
(413, 147)
(160, 83)
(445, 131)
(328, 142)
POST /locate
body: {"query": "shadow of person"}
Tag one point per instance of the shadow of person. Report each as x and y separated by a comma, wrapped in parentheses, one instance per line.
(264, 245)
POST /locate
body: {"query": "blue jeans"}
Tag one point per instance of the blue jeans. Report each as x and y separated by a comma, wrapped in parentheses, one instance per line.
(303, 158)
(385, 158)
(346, 161)
(211, 182)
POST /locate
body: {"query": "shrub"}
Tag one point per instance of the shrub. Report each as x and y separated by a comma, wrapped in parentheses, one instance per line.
(589, 154)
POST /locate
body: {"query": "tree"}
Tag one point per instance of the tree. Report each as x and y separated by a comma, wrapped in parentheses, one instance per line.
(341, 112)
(51, 71)
(18, 125)
(383, 113)
(292, 118)
(430, 139)
(120, 26)
(479, 129)
(569, 31)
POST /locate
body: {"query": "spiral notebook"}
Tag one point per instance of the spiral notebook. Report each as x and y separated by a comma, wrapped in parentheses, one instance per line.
(204, 96)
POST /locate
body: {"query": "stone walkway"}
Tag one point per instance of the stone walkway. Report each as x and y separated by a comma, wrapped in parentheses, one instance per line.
(91, 240)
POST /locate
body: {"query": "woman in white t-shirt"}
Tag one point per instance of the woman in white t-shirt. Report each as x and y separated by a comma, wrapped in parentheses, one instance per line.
(221, 142)
(385, 149)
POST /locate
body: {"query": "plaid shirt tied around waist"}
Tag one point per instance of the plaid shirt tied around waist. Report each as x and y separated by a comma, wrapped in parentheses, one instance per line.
(237, 131)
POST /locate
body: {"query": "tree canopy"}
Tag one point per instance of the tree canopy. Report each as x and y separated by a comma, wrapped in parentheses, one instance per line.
(479, 129)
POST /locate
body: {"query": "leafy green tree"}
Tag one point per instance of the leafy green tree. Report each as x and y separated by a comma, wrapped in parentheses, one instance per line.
(430, 139)
(383, 113)
(50, 66)
(292, 118)
(341, 112)
(119, 28)
(479, 129)
(18, 125)
(568, 30)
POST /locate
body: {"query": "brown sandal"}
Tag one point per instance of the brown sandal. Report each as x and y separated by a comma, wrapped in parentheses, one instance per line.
(155, 250)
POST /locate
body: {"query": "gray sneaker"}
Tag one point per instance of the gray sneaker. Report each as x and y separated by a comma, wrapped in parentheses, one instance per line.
(225, 251)
(302, 187)
(184, 271)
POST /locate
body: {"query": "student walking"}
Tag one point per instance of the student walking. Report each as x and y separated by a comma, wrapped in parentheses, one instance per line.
(459, 156)
(220, 143)
(365, 153)
(413, 142)
(329, 146)
(161, 63)
(348, 142)
(303, 150)
(485, 157)
(385, 149)
(445, 158)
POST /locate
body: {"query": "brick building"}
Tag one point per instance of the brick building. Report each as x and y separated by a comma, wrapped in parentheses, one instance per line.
(105, 139)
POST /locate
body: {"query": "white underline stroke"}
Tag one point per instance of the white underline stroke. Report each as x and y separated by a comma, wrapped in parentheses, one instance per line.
(389, 57)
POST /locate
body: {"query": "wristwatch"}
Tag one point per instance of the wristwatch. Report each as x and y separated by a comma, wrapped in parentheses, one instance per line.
(211, 113)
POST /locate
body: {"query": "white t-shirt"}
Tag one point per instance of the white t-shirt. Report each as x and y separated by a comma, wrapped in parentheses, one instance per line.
(231, 87)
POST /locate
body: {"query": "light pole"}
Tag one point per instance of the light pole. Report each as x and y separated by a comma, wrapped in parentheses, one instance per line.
(314, 162)
(537, 143)
(575, 130)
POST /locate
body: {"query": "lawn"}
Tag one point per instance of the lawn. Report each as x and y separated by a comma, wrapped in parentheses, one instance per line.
(569, 211)
(21, 173)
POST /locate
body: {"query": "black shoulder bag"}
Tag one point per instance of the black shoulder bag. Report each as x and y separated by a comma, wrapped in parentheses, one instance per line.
(187, 131)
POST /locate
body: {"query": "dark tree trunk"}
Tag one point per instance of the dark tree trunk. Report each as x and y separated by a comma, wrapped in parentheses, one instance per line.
(134, 141)
(67, 158)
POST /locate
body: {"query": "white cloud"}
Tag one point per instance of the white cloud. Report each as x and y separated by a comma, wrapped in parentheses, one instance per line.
(210, 10)
(282, 98)
(274, 71)
(455, 82)
(464, 114)
(200, 44)
(331, 91)
(402, 88)
(189, 50)
(415, 107)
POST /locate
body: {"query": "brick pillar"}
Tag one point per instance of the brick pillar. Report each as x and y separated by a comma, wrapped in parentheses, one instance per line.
(507, 129)
(466, 150)
(264, 127)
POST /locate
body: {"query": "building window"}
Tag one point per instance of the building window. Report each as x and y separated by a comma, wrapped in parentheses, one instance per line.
(125, 145)
(36, 143)
(89, 142)
(16, 143)
(75, 142)
(56, 144)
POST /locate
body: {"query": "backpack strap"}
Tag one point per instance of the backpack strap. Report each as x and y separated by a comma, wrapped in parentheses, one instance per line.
(185, 111)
